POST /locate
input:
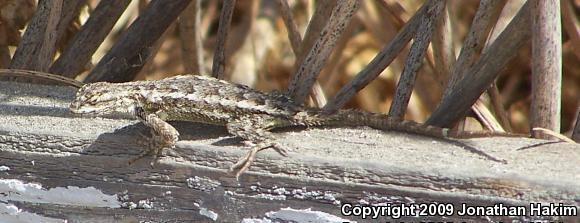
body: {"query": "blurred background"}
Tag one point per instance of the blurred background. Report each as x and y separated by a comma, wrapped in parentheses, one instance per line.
(259, 53)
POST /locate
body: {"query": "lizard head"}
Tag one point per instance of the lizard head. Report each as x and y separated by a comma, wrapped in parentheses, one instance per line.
(102, 98)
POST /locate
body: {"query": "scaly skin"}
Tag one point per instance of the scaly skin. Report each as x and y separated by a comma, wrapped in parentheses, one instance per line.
(246, 113)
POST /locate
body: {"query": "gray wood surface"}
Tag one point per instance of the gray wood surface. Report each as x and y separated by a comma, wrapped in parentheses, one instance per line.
(41, 142)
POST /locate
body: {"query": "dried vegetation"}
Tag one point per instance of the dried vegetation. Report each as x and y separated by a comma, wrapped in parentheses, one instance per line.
(334, 41)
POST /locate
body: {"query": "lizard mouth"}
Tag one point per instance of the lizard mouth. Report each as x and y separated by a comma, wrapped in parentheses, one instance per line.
(84, 110)
(76, 108)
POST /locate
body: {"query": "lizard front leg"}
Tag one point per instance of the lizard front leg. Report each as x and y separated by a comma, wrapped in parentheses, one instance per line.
(257, 132)
(164, 135)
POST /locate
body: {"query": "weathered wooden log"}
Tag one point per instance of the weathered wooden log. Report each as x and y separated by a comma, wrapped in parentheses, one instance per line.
(327, 169)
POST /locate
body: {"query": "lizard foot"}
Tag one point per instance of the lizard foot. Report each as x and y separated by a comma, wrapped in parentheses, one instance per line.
(245, 162)
(154, 148)
(155, 153)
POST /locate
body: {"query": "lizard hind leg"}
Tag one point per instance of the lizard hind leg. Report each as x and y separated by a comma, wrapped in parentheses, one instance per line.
(256, 131)
(245, 162)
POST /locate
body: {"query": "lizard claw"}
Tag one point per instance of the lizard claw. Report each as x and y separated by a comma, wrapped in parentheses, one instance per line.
(154, 149)
(245, 162)
(279, 148)
(154, 152)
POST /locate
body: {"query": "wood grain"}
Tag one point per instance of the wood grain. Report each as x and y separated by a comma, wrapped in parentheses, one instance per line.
(306, 75)
(84, 44)
(546, 105)
(483, 72)
(129, 54)
(41, 142)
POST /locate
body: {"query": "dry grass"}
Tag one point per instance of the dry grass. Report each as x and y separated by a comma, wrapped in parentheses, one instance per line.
(259, 53)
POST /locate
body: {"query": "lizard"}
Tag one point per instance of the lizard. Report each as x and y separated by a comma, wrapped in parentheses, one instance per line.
(245, 112)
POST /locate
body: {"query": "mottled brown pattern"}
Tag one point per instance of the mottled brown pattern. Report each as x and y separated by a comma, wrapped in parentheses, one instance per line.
(246, 113)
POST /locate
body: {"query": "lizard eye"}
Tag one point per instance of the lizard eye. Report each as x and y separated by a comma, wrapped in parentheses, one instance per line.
(93, 98)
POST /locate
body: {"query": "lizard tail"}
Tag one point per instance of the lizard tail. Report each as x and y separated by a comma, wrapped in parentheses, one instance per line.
(386, 123)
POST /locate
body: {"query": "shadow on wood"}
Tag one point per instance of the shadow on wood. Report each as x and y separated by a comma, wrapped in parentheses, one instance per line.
(55, 166)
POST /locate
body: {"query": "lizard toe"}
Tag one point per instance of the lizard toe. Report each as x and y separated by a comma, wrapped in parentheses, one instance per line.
(244, 163)
(280, 149)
